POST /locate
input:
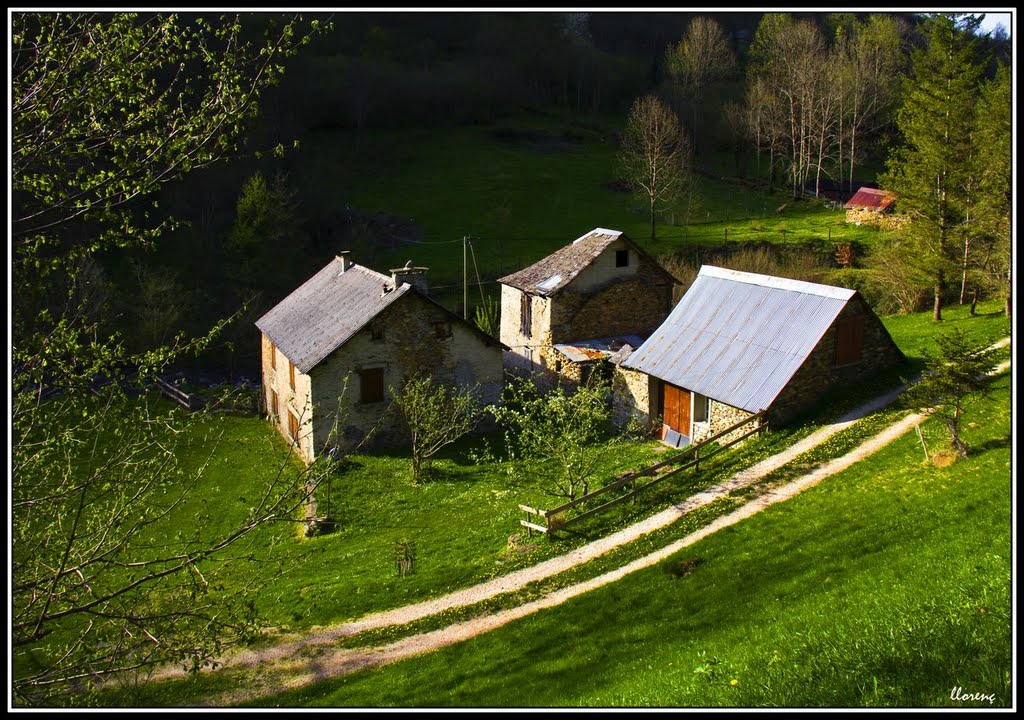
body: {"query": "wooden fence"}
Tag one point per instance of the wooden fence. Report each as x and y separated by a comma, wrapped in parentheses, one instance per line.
(232, 405)
(690, 457)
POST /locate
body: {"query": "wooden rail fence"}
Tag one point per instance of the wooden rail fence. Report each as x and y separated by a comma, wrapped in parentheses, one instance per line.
(690, 457)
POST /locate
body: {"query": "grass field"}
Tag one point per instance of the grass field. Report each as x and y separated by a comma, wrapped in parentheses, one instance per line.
(885, 586)
(461, 523)
(524, 188)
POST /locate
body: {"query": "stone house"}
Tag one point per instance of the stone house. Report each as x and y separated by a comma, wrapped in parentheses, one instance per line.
(566, 314)
(738, 343)
(336, 345)
(873, 207)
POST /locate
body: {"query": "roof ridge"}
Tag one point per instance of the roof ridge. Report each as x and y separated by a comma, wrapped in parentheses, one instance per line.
(776, 282)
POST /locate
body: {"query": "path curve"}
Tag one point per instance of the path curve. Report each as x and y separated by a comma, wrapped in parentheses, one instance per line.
(294, 667)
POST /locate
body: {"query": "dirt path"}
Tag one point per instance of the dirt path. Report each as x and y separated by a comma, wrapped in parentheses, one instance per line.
(309, 658)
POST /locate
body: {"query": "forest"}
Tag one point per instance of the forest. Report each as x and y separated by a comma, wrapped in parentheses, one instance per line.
(803, 103)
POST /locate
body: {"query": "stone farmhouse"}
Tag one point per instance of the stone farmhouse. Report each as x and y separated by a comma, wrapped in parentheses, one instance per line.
(566, 314)
(873, 207)
(334, 347)
(738, 343)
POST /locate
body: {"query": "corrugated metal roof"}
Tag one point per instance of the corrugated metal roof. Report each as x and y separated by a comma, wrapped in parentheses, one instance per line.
(327, 310)
(739, 337)
(551, 274)
(870, 199)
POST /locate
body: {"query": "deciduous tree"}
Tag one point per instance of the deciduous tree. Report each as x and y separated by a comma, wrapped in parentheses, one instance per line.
(436, 415)
(655, 155)
(105, 108)
(562, 430)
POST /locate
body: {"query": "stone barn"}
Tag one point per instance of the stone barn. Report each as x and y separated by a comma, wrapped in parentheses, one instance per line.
(873, 207)
(334, 347)
(738, 343)
(566, 314)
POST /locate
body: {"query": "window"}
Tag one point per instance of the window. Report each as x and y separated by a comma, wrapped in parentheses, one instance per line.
(701, 407)
(291, 374)
(525, 315)
(377, 332)
(443, 330)
(274, 408)
(849, 340)
(371, 385)
(622, 258)
(273, 356)
(293, 427)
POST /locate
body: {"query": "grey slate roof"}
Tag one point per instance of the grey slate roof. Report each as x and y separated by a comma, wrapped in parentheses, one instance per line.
(739, 337)
(327, 310)
(552, 273)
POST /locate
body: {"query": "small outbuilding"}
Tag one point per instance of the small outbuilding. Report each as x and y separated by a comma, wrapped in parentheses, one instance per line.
(563, 316)
(870, 205)
(335, 346)
(738, 343)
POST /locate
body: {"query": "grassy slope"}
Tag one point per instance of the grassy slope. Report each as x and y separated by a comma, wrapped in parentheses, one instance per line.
(521, 200)
(886, 585)
(874, 559)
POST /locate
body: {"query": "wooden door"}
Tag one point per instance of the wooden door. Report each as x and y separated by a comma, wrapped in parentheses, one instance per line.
(675, 403)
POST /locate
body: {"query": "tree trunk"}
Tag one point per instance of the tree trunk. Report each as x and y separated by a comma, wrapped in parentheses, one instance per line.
(974, 301)
(652, 223)
(937, 308)
(960, 446)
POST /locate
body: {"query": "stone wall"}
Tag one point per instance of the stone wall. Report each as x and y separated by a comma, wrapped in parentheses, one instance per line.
(295, 402)
(605, 300)
(819, 372)
(524, 354)
(720, 416)
(632, 393)
(402, 341)
(886, 220)
(602, 301)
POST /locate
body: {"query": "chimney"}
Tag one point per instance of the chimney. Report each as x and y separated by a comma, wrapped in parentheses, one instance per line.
(346, 263)
(415, 276)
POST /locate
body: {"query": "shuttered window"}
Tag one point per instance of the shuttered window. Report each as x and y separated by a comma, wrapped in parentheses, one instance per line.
(273, 356)
(849, 340)
(291, 374)
(274, 410)
(293, 427)
(371, 385)
(525, 315)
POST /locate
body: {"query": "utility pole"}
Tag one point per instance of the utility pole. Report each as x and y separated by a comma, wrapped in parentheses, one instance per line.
(465, 285)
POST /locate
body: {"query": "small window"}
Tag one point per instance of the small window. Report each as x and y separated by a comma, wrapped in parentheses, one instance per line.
(701, 407)
(849, 340)
(274, 408)
(622, 258)
(377, 332)
(291, 374)
(273, 356)
(525, 315)
(293, 427)
(443, 329)
(371, 385)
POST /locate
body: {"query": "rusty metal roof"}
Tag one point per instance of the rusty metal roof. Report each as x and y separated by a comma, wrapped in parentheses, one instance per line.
(598, 348)
(739, 337)
(327, 310)
(870, 199)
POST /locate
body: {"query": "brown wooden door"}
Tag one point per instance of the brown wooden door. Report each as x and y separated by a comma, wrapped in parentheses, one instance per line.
(675, 404)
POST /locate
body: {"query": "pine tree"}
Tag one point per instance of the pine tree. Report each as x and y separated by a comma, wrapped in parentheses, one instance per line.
(929, 172)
